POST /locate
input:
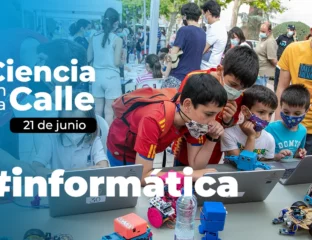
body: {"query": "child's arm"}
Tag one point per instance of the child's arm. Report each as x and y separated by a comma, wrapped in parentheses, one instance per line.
(283, 153)
(229, 143)
(99, 156)
(301, 153)
(248, 128)
(199, 156)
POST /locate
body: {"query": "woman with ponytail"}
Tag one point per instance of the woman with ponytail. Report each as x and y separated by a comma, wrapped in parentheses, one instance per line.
(80, 31)
(105, 51)
(153, 68)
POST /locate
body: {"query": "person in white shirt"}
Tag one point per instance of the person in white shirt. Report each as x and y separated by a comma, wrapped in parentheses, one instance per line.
(216, 36)
(258, 106)
(70, 150)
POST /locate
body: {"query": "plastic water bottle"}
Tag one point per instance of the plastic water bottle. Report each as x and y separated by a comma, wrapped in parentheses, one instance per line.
(186, 208)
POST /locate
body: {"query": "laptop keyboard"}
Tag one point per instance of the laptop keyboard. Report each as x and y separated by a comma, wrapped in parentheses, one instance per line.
(287, 173)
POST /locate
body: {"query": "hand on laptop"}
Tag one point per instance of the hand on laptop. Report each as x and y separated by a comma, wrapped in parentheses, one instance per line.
(301, 153)
(282, 154)
(199, 173)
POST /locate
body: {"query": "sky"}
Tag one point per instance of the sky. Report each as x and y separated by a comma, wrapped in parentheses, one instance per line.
(298, 10)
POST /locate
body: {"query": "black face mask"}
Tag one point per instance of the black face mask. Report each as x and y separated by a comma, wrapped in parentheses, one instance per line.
(185, 22)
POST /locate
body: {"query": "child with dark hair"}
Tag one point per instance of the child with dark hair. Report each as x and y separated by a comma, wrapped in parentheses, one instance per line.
(80, 31)
(239, 71)
(258, 106)
(289, 133)
(192, 116)
(153, 69)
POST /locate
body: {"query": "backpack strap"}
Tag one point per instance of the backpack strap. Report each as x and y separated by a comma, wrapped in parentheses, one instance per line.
(170, 109)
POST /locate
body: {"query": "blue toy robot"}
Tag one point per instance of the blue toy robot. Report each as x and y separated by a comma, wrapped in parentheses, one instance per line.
(246, 161)
(212, 220)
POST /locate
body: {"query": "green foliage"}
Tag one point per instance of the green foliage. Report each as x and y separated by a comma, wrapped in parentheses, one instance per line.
(170, 6)
(271, 6)
(302, 29)
(133, 9)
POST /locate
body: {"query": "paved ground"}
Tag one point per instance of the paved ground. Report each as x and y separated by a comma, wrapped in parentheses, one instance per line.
(159, 157)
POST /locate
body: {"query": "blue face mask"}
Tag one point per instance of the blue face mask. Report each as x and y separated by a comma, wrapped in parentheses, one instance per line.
(87, 34)
(262, 35)
(292, 121)
(234, 42)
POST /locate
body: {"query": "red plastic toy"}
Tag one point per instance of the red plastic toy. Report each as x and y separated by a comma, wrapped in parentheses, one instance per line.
(163, 209)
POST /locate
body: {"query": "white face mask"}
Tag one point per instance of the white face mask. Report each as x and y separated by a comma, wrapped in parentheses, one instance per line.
(290, 33)
(232, 93)
(195, 129)
(75, 138)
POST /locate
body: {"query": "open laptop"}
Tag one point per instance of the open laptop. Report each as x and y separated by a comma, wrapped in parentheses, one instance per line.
(253, 186)
(297, 171)
(65, 205)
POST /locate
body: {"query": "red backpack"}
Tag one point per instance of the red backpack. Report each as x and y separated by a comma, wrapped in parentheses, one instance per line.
(127, 103)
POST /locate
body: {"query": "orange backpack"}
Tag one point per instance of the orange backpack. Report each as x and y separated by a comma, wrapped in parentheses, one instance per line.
(127, 103)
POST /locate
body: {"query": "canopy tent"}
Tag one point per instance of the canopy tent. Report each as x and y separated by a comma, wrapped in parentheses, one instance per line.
(39, 12)
(70, 10)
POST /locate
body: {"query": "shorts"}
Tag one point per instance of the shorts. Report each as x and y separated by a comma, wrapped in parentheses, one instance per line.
(107, 84)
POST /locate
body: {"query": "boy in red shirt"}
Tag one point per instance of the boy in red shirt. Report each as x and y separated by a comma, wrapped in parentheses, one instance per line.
(193, 116)
(239, 71)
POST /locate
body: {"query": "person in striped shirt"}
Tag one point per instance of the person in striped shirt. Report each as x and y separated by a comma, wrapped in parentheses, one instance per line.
(153, 69)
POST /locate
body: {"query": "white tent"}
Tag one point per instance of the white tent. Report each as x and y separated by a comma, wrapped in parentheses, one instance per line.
(70, 10)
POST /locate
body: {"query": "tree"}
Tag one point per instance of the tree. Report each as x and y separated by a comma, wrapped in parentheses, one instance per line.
(171, 9)
(267, 6)
(132, 10)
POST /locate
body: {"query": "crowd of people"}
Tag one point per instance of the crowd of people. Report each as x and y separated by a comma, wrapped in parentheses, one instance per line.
(221, 104)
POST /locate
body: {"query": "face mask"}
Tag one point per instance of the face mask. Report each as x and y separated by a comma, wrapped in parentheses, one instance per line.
(292, 121)
(205, 20)
(87, 34)
(120, 34)
(258, 122)
(290, 33)
(232, 93)
(262, 35)
(234, 42)
(196, 129)
(75, 138)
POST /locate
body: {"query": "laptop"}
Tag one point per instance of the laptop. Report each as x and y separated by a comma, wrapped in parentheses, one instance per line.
(297, 171)
(253, 186)
(65, 205)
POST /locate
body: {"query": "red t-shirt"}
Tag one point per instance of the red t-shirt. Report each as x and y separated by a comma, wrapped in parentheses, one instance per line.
(180, 146)
(144, 135)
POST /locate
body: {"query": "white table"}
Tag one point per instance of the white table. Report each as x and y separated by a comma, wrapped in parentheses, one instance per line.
(136, 70)
(251, 221)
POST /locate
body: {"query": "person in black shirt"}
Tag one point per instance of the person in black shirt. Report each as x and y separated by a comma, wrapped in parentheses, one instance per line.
(283, 41)
(80, 31)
